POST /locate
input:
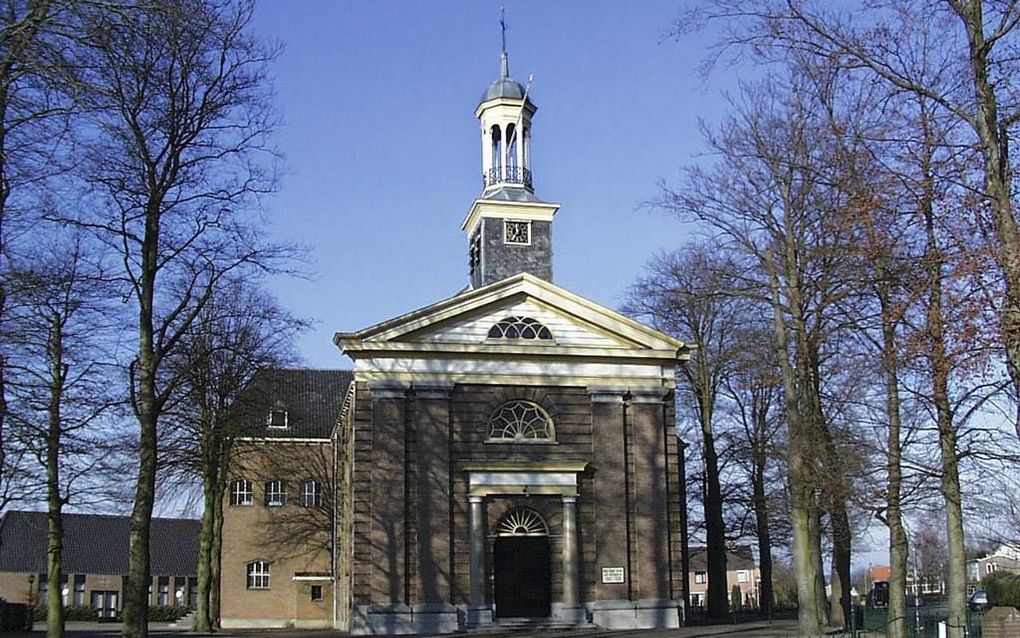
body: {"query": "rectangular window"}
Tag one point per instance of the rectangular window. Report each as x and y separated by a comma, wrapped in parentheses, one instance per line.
(258, 575)
(316, 592)
(277, 419)
(516, 232)
(311, 494)
(701, 577)
(79, 590)
(44, 589)
(192, 591)
(163, 591)
(179, 582)
(743, 576)
(276, 493)
(241, 493)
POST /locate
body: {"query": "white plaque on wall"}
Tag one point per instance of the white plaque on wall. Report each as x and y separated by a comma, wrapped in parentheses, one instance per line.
(612, 575)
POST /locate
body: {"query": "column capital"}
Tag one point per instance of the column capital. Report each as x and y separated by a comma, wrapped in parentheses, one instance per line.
(648, 395)
(388, 389)
(606, 394)
(569, 499)
(475, 499)
(437, 390)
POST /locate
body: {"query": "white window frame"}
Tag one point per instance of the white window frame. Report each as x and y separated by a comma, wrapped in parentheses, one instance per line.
(276, 493)
(743, 576)
(311, 493)
(241, 493)
(700, 578)
(312, 591)
(506, 239)
(257, 573)
(269, 419)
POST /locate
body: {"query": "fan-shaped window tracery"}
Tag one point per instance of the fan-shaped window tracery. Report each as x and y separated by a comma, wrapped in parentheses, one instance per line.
(521, 521)
(519, 327)
(520, 421)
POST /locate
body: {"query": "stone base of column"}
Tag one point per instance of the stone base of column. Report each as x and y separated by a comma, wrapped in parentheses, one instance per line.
(575, 614)
(426, 618)
(478, 616)
(648, 613)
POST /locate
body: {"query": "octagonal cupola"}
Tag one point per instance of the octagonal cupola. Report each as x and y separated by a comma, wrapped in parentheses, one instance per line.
(505, 113)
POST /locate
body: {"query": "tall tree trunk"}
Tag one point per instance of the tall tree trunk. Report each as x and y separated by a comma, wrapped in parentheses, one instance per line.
(761, 524)
(203, 619)
(998, 178)
(801, 490)
(147, 407)
(54, 500)
(898, 543)
(839, 609)
(216, 551)
(950, 483)
(715, 530)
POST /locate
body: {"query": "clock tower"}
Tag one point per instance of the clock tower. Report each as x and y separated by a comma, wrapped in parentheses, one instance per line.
(509, 229)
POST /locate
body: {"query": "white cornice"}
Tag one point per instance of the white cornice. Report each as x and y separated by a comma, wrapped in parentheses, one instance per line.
(525, 211)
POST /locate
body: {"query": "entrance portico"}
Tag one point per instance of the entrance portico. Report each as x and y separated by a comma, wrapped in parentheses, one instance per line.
(509, 479)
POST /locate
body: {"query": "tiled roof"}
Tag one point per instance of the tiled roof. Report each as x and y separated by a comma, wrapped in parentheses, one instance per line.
(97, 544)
(312, 400)
(736, 558)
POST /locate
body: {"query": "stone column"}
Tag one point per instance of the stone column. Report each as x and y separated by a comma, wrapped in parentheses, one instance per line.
(609, 491)
(389, 405)
(478, 611)
(572, 609)
(433, 474)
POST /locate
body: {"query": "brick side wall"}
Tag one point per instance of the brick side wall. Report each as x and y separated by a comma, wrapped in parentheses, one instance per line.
(291, 538)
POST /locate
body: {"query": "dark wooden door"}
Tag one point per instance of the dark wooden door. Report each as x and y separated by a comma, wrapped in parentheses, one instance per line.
(521, 566)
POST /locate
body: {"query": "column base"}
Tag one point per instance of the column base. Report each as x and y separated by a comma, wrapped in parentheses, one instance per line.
(575, 614)
(647, 613)
(479, 616)
(397, 618)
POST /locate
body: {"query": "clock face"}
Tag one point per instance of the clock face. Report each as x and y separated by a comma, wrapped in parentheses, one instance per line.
(517, 232)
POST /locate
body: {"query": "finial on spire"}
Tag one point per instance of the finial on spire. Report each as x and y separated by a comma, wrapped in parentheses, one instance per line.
(504, 59)
(502, 25)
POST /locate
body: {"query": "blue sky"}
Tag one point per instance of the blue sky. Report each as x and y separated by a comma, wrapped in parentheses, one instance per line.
(382, 147)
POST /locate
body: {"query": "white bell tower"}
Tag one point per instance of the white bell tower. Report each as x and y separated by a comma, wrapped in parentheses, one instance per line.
(509, 229)
(505, 114)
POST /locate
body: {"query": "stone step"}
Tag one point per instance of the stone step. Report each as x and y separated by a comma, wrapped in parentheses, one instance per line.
(514, 625)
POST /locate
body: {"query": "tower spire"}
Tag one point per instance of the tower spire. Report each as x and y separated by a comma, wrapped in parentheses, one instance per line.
(504, 59)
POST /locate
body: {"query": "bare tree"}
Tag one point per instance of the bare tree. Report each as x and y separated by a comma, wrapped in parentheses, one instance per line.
(240, 332)
(59, 382)
(179, 115)
(695, 293)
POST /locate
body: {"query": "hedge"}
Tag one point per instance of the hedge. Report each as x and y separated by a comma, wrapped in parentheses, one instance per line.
(1003, 589)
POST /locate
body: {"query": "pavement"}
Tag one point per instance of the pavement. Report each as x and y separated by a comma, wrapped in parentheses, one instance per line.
(762, 629)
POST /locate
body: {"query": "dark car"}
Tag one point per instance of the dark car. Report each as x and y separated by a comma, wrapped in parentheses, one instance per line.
(978, 601)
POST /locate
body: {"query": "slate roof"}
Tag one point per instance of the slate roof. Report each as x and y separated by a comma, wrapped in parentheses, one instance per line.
(736, 558)
(311, 398)
(97, 544)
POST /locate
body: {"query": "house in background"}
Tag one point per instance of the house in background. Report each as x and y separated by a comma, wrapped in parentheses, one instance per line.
(279, 504)
(95, 560)
(741, 571)
(1004, 558)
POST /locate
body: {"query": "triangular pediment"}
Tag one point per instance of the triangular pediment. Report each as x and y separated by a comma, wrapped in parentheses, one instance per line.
(463, 323)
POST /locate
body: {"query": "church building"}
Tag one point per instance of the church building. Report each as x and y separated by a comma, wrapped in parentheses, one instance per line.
(508, 452)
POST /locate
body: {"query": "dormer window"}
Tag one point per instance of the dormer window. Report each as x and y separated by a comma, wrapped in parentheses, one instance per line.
(518, 327)
(277, 419)
(517, 232)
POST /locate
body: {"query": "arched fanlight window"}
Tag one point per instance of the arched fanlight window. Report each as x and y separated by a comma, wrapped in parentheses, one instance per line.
(518, 327)
(520, 421)
(521, 521)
